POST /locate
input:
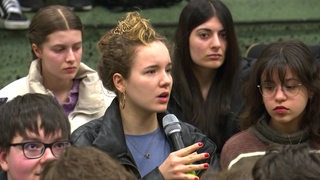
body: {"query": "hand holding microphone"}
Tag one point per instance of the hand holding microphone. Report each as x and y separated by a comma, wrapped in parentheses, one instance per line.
(179, 163)
(172, 129)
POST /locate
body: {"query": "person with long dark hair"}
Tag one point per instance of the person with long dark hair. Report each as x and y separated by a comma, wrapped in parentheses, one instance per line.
(206, 60)
(282, 103)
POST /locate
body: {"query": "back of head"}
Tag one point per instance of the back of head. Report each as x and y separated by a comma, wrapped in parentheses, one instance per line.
(241, 171)
(288, 162)
(117, 47)
(83, 163)
(23, 114)
(50, 19)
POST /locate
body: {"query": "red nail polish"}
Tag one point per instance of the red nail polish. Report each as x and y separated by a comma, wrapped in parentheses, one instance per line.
(206, 155)
(200, 144)
(206, 165)
(196, 178)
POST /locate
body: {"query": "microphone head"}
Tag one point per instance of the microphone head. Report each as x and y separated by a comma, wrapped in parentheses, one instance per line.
(170, 124)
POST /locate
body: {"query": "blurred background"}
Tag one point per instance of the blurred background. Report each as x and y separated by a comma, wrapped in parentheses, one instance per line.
(257, 21)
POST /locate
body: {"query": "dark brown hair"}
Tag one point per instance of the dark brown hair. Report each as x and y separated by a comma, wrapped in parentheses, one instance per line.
(277, 58)
(50, 19)
(23, 114)
(209, 116)
(288, 162)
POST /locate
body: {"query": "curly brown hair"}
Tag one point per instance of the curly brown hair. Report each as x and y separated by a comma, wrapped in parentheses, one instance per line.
(118, 46)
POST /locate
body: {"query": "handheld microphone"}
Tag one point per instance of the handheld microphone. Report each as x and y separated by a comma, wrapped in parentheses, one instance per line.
(172, 129)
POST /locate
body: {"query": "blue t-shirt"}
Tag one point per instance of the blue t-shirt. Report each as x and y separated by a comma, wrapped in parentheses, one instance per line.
(148, 150)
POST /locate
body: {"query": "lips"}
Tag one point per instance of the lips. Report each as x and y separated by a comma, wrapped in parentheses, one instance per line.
(70, 69)
(164, 97)
(215, 56)
(280, 109)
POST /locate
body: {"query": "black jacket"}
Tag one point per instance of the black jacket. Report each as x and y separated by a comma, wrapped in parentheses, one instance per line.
(228, 126)
(3, 175)
(106, 133)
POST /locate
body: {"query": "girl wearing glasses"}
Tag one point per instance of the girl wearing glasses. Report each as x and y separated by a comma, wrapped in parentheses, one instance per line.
(282, 103)
(34, 129)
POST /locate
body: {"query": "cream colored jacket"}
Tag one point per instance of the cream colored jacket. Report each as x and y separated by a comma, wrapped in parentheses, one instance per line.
(93, 97)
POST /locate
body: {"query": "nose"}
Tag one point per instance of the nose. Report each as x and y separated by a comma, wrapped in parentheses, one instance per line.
(215, 41)
(280, 94)
(47, 155)
(166, 79)
(70, 57)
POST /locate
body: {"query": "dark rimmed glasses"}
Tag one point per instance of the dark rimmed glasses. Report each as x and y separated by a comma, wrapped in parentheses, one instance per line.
(34, 150)
(291, 88)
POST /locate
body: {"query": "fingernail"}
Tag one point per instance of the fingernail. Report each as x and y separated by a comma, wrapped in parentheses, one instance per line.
(206, 155)
(196, 178)
(200, 144)
(206, 165)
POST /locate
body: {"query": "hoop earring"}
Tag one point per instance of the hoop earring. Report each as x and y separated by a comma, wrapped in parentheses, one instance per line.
(123, 100)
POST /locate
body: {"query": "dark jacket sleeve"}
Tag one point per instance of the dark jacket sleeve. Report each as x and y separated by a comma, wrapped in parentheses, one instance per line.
(86, 134)
(155, 174)
(191, 135)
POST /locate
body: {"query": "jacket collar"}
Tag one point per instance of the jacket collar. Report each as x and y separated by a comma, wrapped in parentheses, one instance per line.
(112, 128)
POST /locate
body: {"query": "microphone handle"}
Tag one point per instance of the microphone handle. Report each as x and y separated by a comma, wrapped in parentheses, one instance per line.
(178, 144)
(177, 141)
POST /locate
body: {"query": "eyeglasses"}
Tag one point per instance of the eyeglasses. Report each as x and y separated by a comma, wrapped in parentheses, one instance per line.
(34, 150)
(291, 88)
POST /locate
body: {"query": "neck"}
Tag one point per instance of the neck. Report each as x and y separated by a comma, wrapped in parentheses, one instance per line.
(138, 122)
(285, 128)
(59, 88)
(205, 78)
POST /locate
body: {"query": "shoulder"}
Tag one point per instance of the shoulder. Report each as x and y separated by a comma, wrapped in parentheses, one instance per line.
(15, 88)
(86, 134)
(242, 142)
(192, 134)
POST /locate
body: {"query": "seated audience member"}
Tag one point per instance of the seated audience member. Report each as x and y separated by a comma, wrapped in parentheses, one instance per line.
(206, 61)
(84, 163)
(34, 129)
(55, 36)
(288, 162)
(282, 103)
(135, 63)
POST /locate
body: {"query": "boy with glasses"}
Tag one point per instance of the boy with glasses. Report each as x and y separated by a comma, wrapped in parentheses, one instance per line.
(34, 129)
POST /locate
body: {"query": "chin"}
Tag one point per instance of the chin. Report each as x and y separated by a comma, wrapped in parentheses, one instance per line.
(163, 109)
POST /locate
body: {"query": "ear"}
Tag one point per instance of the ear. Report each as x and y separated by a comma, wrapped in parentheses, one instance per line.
(3, 160)
(36, 50)
(119, 82)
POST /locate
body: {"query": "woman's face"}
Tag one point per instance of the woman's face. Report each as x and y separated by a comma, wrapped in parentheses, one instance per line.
(208, 44)
(287, 104)
(60, 55)
(149, 84)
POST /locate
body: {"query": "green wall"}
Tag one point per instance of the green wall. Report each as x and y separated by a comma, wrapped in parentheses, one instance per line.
(257, 21)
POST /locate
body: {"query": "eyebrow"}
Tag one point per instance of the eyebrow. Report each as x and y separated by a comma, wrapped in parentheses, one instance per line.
(36, 139)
